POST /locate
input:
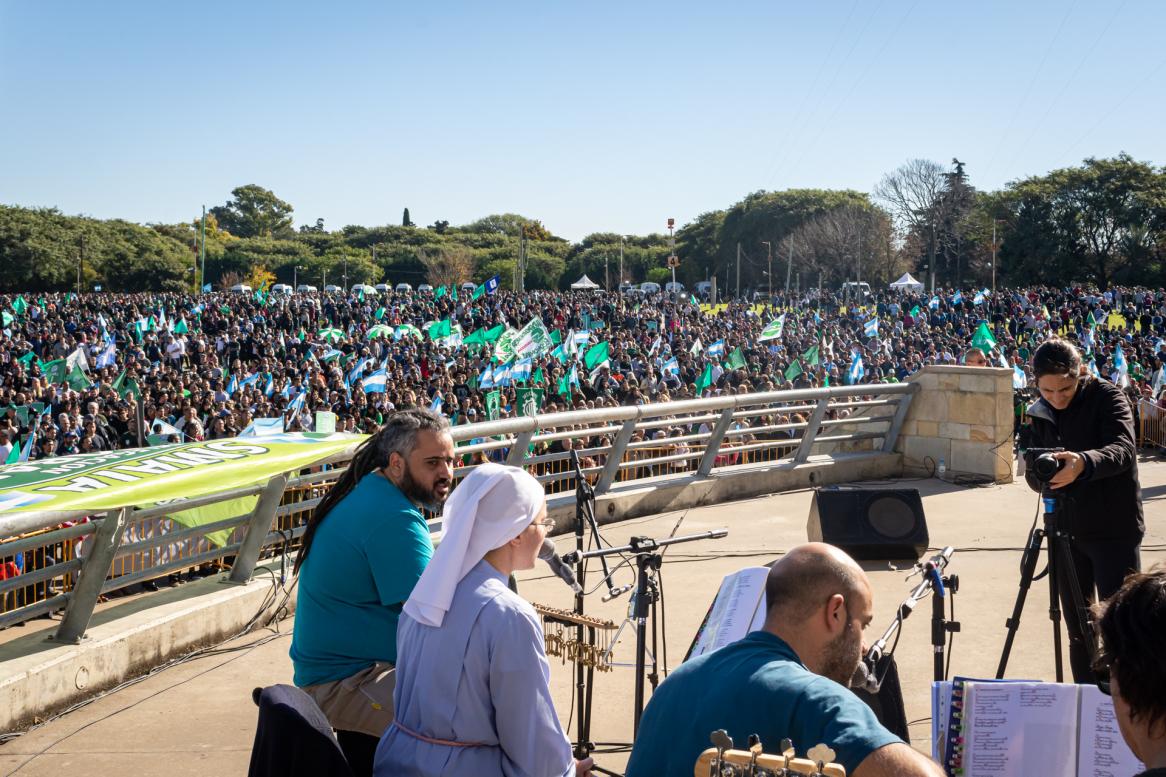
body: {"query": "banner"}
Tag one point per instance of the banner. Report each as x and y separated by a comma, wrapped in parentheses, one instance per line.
(146, 476)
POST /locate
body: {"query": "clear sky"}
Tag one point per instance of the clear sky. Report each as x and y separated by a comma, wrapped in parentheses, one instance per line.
(591, 116)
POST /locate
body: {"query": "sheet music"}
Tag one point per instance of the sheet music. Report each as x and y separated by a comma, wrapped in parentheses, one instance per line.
(940, 710)
(1020, 729)
(735, 610)
(1103, 752)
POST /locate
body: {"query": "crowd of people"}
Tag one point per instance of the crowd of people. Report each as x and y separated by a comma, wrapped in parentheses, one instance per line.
(73, 367)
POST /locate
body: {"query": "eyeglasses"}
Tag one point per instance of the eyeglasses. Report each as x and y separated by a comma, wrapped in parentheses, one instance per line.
(547, 523)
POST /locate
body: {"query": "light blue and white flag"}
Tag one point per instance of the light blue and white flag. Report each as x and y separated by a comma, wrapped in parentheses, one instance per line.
(263, 427)
(716, 350)
(297, 404)
(269, 389)
(435, 405)
(1019, 379)
(1093, 368)
(1121, 376)
(486, 379)
(521, 371)
(933, 303)
(233, 386)
(375, 383)
(958, 298)
(871, 328)
(357, 371)
(672, 367)
(108, 357)
(502, 375)
(856, 371)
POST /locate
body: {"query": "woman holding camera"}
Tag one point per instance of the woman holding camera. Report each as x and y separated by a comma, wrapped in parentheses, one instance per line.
(1097, 486)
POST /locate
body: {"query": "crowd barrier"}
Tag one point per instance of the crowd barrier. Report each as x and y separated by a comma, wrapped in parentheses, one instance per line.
(1151, 424)
(71, 565)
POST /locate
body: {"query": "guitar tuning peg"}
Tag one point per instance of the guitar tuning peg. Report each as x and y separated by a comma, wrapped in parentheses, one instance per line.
(787, 748)
(721, 739)
(755, 744)
(821, 755)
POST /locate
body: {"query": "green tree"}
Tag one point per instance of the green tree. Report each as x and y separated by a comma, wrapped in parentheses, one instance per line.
(405, 220)
(254, 211)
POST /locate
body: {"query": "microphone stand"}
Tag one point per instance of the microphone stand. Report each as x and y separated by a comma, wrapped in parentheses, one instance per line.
(648, 560)
(933, 581)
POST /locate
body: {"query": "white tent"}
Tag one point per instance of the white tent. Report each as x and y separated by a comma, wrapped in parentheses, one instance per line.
(585, 284)
(907, 283)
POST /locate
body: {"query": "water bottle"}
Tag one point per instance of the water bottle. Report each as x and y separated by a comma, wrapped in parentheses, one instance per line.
(942, 469)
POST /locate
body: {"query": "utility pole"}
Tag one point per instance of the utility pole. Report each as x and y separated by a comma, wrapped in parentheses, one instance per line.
(769, 259)
(931, 258)
(738, 269)
(993, 258)
(606, 279)
(672, 252)
(620, 263)
(789, 266)
(202, 253)
(80, 263)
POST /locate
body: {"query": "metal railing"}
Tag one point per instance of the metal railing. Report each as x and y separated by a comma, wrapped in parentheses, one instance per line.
(70, 564)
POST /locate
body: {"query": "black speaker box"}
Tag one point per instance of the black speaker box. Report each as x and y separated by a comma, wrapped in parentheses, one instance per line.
(870, 523)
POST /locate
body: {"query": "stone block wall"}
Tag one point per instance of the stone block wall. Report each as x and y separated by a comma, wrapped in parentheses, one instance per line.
(963, 415)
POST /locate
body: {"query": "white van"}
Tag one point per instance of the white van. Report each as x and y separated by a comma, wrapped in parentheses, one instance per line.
(424, 288)
(241, 288)
(470, 286)
(403, 288)
(650, 288)
(674, 287)
(856, 290)
(703, 288)
(304, 288)
(368, 290)
(281, 288)
(383, 288)
(332, 288)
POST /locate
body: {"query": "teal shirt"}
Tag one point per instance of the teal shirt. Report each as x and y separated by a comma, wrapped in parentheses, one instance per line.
(367, 554)
(756, 685)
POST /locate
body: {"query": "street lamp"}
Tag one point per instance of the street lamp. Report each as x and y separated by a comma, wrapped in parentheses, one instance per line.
(295, 275)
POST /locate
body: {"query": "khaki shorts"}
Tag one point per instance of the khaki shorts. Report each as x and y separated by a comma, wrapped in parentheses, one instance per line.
(362, 702)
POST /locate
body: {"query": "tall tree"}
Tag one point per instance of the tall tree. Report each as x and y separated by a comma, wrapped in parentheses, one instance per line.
(405, 220)
(254, 211)
(912, 193)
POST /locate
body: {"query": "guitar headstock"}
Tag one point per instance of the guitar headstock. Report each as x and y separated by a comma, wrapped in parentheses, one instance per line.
(722, 760)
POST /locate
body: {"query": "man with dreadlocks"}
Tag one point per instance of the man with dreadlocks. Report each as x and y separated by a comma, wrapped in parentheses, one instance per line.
(364, 549)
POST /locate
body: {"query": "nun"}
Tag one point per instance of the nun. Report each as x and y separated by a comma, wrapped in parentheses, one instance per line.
(472, 694)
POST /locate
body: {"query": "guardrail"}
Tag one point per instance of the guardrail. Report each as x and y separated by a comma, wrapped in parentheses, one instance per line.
(70, 564)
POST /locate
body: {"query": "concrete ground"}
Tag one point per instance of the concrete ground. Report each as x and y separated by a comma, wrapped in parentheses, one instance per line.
(197, 718)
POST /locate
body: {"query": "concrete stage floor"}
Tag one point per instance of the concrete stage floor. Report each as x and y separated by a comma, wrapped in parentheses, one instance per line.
(197, 718)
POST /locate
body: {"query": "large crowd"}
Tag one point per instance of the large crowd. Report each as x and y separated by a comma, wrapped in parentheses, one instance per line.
(73, 367)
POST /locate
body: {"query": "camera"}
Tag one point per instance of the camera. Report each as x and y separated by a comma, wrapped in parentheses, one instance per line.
(1042, 463)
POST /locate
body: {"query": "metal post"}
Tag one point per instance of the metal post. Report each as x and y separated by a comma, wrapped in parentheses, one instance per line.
(98, 557)
(713, 446)
(202, 253)
(615, 456)
(140, 414)
(789, 265)
(993, 258)
(257, 529)
(811, 431)
(769, 259)
(620, 287)
(738, 270)
(518, 448)
(892, 435)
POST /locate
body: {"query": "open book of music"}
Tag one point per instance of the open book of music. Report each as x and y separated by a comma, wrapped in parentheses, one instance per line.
(1018, 729)
(738, 609)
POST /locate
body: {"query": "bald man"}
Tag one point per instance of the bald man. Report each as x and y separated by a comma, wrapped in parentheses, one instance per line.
(786, 680)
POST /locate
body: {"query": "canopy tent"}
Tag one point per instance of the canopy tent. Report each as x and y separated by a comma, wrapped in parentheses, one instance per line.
(584, 283)
(907, 283)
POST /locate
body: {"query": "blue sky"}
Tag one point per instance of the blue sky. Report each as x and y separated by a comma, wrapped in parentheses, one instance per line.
(591, 116)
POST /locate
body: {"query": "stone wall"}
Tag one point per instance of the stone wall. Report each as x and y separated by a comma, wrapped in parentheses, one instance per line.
(963, 415)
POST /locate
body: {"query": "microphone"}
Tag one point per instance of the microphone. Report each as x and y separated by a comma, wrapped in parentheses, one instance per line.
(615, 593)
(565, 573)
(864, 677)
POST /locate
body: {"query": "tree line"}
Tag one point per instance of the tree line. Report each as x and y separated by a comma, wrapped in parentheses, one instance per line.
(1101, 222)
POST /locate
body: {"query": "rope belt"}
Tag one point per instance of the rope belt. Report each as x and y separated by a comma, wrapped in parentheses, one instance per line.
(433, 740)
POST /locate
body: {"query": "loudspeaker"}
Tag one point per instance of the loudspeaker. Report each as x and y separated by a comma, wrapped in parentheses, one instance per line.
(870, 523)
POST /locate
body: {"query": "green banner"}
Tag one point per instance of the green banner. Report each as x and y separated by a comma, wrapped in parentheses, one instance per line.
(145, 476)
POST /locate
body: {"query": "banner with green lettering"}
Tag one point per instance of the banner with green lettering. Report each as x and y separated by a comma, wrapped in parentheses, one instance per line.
(146, 476)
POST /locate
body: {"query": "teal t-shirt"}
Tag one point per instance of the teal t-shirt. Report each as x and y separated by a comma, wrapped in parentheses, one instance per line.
(367, 554)
(756, 685)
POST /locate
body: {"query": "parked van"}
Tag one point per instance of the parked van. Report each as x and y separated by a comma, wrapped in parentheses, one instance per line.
(470, 286)
(241, 288)
(703, 288)
(856, 290)
(424, 287)
(674, 287)
(304, 288)
(368, 290)
(650, 288)
(331, 287)
(383, 288)
(281, 288)
(403, 288)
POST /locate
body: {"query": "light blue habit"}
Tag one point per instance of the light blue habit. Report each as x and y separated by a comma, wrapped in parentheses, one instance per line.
(481, 677)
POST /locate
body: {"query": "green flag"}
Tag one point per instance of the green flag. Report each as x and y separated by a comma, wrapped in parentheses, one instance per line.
(793, 370)
(596, 355)
(19, 305)
(7, 318)
(225, 310)
(810, 357)
(493, 405)
(556, 337)
(538, 378)
(14, 454)
(774, 330)
(915, 312)
(180, 327)
(983, 338)
(705, 380)
(441, 292)
(1088, 319)
(27, 359)
(55, 371)
(360, 296)
(77, 379)
(440, 329)
(118, 382)
(380, 313)
(564, 387)
(736, 359)
(529, 400)
(479, 292)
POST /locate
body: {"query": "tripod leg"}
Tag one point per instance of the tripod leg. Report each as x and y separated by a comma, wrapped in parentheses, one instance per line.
(1078, 621)
(654, 676)
(1027, 569)
(1055, 605)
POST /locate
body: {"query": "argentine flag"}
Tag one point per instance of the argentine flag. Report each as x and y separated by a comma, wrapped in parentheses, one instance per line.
(375, 383)
(269, 389)
(1122, 374)
(856, 371)
(1019, 379)
(979, 298)
(233, 386)
(108, 357)
(297, 404)
(958, 298)
(502, 375)
(357, 371)
(1093, 368)
(435, 405)
(672, 367)
(934, 303)
(521, 371)
(871, 328)
(716, 350)
(486, 379)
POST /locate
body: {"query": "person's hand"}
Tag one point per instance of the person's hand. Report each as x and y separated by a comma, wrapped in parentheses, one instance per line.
(583, 767)
(1072, 469)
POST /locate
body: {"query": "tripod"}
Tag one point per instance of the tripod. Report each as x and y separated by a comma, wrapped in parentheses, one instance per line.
(646, 593)
(1062, 575)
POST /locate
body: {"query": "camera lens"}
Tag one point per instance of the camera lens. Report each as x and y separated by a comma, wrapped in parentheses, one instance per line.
(1046, 466)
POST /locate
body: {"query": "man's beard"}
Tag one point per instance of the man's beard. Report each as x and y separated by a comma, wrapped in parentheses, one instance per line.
(841, 656)
(419, 494)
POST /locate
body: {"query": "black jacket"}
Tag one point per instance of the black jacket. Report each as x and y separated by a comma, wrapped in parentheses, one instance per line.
(1105, 502)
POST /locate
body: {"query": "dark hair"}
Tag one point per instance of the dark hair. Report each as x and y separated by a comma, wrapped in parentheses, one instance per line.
(1056, 357)
(1133, 632)
(398, 435)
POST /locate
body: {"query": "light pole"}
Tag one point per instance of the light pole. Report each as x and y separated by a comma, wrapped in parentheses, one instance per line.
(295, 275)
(672, 260)
(993, 258)
(769, 274)
(621, 263)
